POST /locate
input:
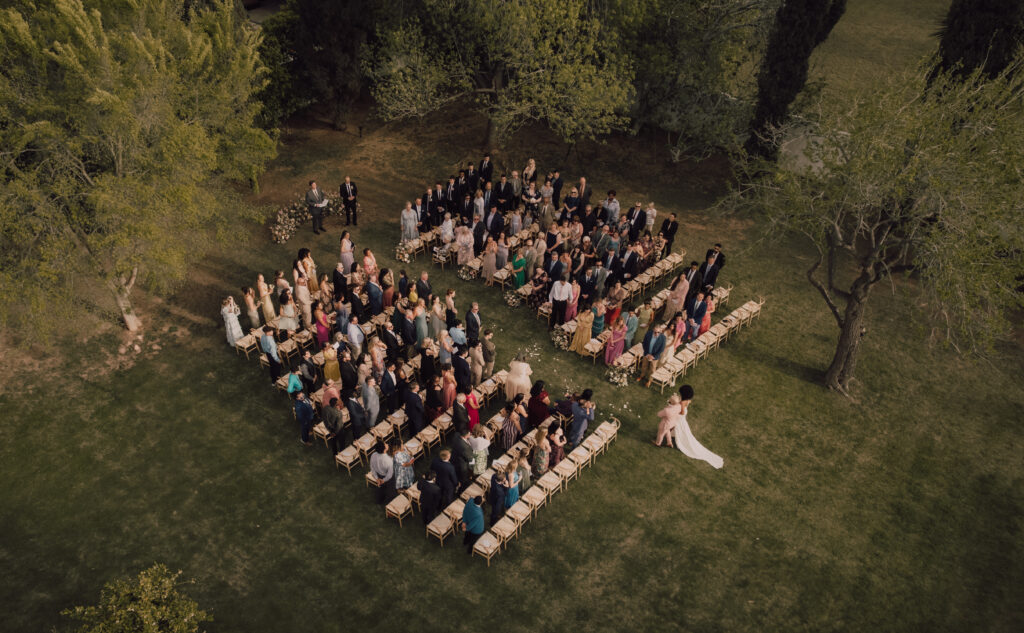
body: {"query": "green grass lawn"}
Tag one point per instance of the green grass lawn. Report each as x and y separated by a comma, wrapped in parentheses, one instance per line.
(900, 512)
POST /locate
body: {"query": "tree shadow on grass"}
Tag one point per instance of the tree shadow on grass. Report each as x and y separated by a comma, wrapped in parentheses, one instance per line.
(798, 370)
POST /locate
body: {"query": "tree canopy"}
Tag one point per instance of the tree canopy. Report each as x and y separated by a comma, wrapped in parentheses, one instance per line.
(122, 126)
(535, 60)
(917, 178)
(151, 603)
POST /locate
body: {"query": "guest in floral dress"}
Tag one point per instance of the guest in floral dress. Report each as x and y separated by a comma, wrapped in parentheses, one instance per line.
(510, 428)
(480, 445)
(405, 474)
(541, 451)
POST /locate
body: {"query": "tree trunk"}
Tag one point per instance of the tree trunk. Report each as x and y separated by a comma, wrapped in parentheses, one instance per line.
(850, 333)
(491, 137)
(121, 288)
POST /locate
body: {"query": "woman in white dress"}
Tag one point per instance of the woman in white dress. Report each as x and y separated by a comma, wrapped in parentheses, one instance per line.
(347, 257)
(409, 221)
(685, 441)
(230, 311)
(518, 381)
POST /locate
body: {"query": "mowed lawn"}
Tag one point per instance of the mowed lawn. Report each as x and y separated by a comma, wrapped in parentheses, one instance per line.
(898, 512)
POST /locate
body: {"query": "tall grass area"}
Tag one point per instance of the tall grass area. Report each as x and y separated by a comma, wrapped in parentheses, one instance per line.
(898, 512)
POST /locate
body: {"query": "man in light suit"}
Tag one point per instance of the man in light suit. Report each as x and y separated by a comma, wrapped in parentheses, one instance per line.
(371, 402)
(348, 197)
(600, 280)
(355, 336)
(315, 202)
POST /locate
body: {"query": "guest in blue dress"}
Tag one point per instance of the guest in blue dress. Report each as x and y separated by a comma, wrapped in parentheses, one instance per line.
(599, 310)
(512, 479)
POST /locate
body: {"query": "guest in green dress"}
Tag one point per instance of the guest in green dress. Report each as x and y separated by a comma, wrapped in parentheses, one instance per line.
(523, 470)
(599, 310)
(519, 269)
(512, 478)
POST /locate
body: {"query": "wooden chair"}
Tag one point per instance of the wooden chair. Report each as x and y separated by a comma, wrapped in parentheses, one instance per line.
(286, 350)
(663, 377)
(441, 256)
(247, 343)
(398, 508)
(535, 497)
(594, 444)
(520, 512)
(487, 546)
(415, 448)
(382, 431)
(609, 430)
(365, 445)
(455, 508)
(721, 331)
(472, 490)
(550, 483)
(593, 349)
(429, 437)
(581, 455)
(441, 527)
(348, 458)
(443, 423)
(567, 470)
(320, 432)
(413, 493)
(484, 480)
(505, 529)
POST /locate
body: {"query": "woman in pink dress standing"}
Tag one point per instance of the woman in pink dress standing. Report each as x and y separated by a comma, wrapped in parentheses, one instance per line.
(705, 323)
(617, 340)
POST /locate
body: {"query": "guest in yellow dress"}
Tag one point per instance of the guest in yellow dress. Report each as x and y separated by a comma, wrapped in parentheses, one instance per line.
(332, 370)
(582, 336)
(264, 290)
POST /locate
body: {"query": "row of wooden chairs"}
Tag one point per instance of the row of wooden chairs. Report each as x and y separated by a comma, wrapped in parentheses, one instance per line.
(676, 366)
(510, 526)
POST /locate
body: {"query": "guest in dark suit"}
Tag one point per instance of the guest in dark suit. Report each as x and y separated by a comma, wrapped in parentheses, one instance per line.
(389, 387)
(451, 196)
(447, 478)
(486, 169)
(472, 178)
(708, 272)
(694, 278)
(374, 296)
(610, 261)
(479, 232)
(460, 414)
(462, 456)
(430, 497)
(349, 375)
(423, 288)
(556, 186)
(654, 346)
(304, 414)
(463, 377)
(495, 223)
(339, 281)
(588, 286)
(629, 265)
(356, 414)
(669, 226)
(716, 256)
(314, 202)
(339, 435)
(387, 335)
(696, 311)
(473, 322)
(414, 408)
(584, 193)
(490, 200)
(348, 193)
(409, 332)
(466, 208)
(503, 192)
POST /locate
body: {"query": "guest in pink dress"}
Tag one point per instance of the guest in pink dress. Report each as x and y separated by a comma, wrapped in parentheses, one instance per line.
(369, 262)
(705, 323)
(574, 303)
(473, 408)
(323, 329)
(617, 340)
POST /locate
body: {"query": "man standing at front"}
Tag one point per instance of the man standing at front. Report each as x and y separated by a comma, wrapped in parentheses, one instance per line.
(560, 294)
(315, 202)
(348, 197)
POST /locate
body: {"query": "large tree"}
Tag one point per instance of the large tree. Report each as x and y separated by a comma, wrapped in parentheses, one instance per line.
(122, 126)
(799, 27)
(151, 603)
(914, 178)
(543, 60)
(697, 65)
(980, 34)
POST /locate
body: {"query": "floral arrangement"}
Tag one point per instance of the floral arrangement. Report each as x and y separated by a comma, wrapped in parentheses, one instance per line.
(619, 376)
(289, 218)
(403, 252)
(560, 338)
(468, 273)
(513, 299)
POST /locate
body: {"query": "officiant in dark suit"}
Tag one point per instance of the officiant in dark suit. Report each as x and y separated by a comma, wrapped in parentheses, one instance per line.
(315, 203)
(348, 197)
